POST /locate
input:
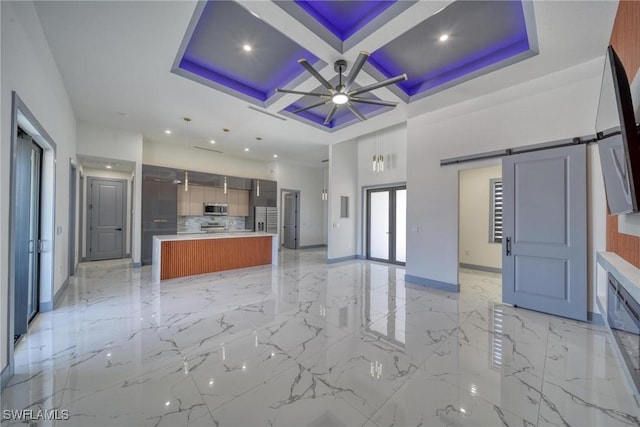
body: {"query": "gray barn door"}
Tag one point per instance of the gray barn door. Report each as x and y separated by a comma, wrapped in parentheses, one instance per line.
(290, 220)
(106, 208)
(544, 258)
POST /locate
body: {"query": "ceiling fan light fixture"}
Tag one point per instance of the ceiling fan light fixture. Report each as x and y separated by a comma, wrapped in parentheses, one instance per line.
(340, 98)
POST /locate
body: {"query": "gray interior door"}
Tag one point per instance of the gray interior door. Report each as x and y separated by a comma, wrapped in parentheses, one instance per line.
(106, 208)
(544, 261)
(27, 232)
(290, 220)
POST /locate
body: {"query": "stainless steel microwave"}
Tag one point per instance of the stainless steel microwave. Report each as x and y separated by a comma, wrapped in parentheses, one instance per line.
(215, 209)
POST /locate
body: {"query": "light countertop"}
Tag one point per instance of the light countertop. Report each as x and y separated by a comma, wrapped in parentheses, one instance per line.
(216, 235)
(627, 274)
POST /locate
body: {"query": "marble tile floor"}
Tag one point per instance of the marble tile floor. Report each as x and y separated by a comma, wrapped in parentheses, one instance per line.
(310, 344)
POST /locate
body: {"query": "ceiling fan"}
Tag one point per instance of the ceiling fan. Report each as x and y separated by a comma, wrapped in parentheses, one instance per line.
(342, 93)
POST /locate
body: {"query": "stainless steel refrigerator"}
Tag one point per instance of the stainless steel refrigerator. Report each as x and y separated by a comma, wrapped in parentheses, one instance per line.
(266, 219)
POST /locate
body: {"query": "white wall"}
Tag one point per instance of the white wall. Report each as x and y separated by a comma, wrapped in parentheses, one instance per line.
(558, 106)
(309, 181)
(29, 69)
(596, 221)
(325, 204)
(175, 156)
(474, 218)
(343, 181)
(99, 173)
(391, 142)
(99, 141)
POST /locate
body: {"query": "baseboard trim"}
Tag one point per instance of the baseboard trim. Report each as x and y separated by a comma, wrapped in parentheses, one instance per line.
(480, 268)
(6, 375)
(136, 264)
(596, 318)
(430, 283)
(341, 259)
(312, 246)
(127, 255)
(50, 305)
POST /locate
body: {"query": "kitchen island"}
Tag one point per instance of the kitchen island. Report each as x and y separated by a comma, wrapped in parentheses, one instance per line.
(189, 254)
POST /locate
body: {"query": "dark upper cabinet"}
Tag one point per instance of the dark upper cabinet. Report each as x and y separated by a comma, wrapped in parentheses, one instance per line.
(267, 194)
(159, 214)
(267, 197)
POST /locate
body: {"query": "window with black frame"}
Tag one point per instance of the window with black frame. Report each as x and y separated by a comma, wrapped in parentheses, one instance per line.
(495, 216)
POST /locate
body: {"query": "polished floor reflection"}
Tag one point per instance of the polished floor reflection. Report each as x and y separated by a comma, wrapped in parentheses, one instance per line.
(311, 344)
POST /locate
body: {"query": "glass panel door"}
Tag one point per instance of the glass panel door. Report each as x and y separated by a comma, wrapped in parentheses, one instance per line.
(379, 225)
(386, 224)
(34, 232)
(401, 225)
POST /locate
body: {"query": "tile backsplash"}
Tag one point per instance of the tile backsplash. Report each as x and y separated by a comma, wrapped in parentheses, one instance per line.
(193, 223)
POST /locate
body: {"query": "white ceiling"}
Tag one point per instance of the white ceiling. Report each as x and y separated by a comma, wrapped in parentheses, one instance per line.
(115, 59)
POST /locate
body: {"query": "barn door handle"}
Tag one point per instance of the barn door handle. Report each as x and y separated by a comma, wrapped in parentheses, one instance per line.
(508, 246)
(118, 229)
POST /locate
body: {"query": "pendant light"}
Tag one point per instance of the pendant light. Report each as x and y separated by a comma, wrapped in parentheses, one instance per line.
(186, 181)
(258, 189)
(378, 158)
(225, 185)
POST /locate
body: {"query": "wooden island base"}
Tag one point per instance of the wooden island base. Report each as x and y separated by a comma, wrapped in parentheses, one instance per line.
(181, 256)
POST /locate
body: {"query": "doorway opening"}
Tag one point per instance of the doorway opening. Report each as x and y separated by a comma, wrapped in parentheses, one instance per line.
(387, 224)
(480, 229)
(290, 219)
(72, 217)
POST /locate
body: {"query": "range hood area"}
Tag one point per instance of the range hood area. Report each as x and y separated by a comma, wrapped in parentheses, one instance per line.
(163, 191)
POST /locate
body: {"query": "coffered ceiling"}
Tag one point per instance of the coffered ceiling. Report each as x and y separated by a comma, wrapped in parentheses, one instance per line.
(143, 66)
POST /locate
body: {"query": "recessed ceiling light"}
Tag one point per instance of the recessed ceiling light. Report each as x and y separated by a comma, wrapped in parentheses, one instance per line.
(444, 37)
(108, 166)
(275, 156)
(259, 138)
(246, 149)
(225, 130)
(213, 141)
(246, 47)
(168, 132)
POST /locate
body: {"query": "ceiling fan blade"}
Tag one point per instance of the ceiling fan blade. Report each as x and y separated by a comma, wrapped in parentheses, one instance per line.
(357, 66)
(297, 92)
(299, 110)
(374, 86)
(355, 111)
(333, 110)
(315, 74)
(373, 101)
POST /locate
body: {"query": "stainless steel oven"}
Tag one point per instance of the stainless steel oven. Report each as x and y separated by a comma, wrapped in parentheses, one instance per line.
(215, 209)
(623, 315)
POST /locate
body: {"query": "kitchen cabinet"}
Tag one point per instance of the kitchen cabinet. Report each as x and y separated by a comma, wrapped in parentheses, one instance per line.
(159, 215)
(210, 195)
(238, 201)
(190, 202)
(183, 201)
(214, 195)
(243, 203)
(196, 200)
